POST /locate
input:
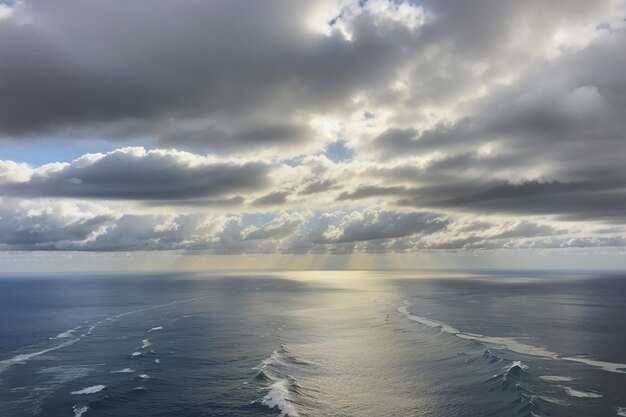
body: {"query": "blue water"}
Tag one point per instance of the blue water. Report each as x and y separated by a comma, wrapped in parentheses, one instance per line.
(313, 344)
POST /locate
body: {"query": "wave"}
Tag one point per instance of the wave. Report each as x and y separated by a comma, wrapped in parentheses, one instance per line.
(271, 370)
(511, 344)
(518, 365)
(278, 397)
(89, 390)
(79, 410)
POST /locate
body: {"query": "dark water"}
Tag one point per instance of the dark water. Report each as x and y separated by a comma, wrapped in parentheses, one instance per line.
(313, 344)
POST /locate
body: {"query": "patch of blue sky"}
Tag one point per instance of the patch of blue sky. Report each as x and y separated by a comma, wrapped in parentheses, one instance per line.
(338, 151)
(44, 151)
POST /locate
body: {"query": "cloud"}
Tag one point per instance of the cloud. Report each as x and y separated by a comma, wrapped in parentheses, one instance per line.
(42, 227)
(313, 127)
(200, 80)
(280, 226)
(376, 224)
(137, 174)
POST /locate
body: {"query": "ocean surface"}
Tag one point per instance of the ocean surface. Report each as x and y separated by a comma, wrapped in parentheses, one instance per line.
(314, 344)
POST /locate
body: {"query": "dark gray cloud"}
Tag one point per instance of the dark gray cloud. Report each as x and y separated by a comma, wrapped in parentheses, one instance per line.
(367, 191)
(217, 141)
(134, 174)
(224, 65)
(318, 186)
(277, 198)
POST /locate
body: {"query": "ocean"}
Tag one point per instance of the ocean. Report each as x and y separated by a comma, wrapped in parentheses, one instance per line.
(328, 344)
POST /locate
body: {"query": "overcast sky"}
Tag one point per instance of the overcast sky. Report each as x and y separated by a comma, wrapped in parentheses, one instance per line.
(277, 129)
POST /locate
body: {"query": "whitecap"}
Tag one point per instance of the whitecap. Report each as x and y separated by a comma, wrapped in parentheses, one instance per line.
(89, 390)
(278, 397)
(134, 354)
(580, 394)
(144, 376)
(621, 411)
(154, 329)
(79, 411)
(145, 343)
(157, 361)
(517, 364)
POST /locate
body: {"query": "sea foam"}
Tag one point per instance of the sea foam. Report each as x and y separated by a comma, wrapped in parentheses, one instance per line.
(79, 410)
(555, 378)
(89, 390)
(124, 371)
(580, 394)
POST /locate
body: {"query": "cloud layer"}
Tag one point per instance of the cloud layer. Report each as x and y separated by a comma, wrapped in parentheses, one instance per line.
(334, 126)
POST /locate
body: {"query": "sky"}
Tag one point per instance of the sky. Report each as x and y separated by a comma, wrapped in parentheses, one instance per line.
(312, 134)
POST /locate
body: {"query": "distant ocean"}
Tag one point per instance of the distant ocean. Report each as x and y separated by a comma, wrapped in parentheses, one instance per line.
(318, 344)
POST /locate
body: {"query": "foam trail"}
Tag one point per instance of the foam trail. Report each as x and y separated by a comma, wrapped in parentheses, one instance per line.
(67, 333)
(580, 394)
(430, 323)
(89, 390)
(277, 397)
(27, 356)
(510, 343)
(79, 411)
(619, 368)
(6, 363)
